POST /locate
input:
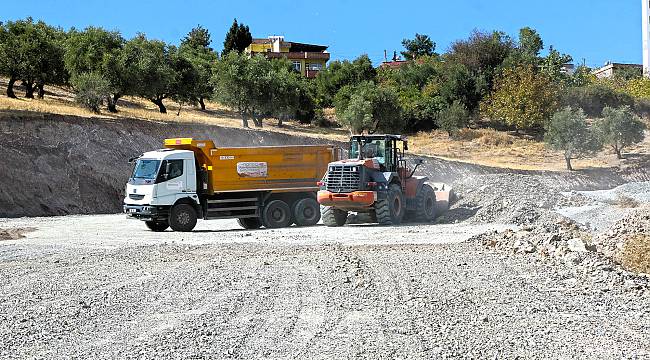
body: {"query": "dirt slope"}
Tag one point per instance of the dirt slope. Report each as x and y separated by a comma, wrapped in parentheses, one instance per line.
(56, 165)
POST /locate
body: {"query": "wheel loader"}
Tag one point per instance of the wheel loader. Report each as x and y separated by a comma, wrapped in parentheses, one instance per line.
(376, 182)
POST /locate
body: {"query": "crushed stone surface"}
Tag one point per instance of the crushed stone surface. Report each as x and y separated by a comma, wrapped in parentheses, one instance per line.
(105, 287)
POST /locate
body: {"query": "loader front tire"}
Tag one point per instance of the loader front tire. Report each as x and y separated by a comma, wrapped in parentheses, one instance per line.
(333, 217)
(390, 211)
(425, 205)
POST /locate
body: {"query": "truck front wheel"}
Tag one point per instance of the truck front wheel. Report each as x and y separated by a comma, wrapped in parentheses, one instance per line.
(156, 226)
(277, 214)
(182, 217)
(333, 217)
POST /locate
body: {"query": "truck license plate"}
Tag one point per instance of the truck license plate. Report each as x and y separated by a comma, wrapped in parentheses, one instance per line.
(132, 211)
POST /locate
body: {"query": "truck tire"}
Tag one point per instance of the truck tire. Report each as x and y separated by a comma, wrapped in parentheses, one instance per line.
(276, 214)
(390, 211)
(182, 217)
(250, 223)
(306, 212)
(157, 226)
(333, 217)
(425, 208)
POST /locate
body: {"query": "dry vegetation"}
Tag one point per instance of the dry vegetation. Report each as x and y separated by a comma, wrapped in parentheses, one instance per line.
(482, 146)
(636, 253)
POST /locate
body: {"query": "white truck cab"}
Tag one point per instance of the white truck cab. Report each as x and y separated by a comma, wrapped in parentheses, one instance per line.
(159, 180)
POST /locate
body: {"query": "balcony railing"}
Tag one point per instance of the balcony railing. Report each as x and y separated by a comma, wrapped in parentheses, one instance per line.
(298, 55)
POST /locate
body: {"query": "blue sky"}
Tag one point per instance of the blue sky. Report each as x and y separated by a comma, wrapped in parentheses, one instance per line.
(594, 30)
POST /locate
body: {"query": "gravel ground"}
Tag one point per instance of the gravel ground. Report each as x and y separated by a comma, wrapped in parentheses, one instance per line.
(104, 287)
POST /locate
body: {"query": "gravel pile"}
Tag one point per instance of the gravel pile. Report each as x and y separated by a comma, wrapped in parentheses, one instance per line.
(611, 241)
(566, 243)
(509, 199)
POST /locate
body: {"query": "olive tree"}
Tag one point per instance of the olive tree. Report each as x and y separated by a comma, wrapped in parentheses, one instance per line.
(368, 107)
(620, 128)
(95, 50)
(569, 132)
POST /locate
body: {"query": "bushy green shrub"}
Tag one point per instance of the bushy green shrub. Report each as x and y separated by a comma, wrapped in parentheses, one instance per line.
(91, 90)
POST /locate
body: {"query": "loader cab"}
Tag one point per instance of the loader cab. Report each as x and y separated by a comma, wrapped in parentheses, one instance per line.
(388, 150)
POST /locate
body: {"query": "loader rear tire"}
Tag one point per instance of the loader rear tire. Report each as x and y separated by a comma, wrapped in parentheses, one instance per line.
(306, 212)
(182, 217)
(276, 214)
(333, 217)
(250, 223)
(390, 211)
(156, 226)
(425, 205)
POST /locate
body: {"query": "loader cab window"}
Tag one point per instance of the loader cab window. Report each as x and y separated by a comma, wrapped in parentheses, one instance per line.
(170, 169)
(369, 149)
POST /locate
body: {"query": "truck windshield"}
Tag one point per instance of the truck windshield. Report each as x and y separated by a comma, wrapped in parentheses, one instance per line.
(370, 149)
(146, 169)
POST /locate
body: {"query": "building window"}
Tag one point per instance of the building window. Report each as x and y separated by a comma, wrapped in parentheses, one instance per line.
(315, 66)
(297, 66)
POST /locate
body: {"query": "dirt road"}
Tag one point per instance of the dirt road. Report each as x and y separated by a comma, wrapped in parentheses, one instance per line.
(115, 290)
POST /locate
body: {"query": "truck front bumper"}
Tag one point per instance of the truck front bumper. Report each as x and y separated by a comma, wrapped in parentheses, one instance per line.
(145, 212)
(353, 200)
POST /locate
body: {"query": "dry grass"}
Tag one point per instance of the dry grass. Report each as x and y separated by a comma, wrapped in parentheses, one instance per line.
(483, 146)
(636, 253)
(60, 100)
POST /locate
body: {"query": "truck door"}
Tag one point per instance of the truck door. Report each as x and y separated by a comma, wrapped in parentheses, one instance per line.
(190, 175)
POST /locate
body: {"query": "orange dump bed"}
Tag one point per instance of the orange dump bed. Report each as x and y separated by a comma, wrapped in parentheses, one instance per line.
(275, 168)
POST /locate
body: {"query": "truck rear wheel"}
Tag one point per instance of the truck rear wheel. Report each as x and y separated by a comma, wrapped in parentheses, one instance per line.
(333, 217)
(250, 223)
(306, 212)
(182, 217)
(277, 214)
(425, 205)
(156, 226)
(390, 211)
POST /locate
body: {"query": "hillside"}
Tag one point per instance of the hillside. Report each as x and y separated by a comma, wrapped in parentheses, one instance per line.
(482, 146)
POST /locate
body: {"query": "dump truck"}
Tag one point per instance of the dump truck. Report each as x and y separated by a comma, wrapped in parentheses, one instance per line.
(376, 181)
(270, 186)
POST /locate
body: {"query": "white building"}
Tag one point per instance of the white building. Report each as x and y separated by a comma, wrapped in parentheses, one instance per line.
(646, 37)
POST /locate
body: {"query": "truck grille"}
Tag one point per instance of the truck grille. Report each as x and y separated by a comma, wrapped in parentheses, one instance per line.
(136, 196)
(342, 178)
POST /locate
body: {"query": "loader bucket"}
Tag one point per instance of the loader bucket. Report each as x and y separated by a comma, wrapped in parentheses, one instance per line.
(444, 197)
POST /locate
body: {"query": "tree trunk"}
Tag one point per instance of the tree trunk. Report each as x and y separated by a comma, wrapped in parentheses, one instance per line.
(568, 163)
(257, 121)
(41, 89)
(280, 121)
(244, 119)
(618, 150)
(180, 106)
(29, 89)
(112, 102)
(202, 103)
(161, 106)
(10, 87)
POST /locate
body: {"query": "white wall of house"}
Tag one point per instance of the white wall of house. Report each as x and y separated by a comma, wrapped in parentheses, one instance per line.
(646, 37)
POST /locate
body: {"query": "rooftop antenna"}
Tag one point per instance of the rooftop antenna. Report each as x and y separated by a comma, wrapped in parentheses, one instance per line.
(385, 56)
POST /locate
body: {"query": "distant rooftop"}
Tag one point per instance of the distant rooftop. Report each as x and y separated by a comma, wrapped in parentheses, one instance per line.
(294, 46)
